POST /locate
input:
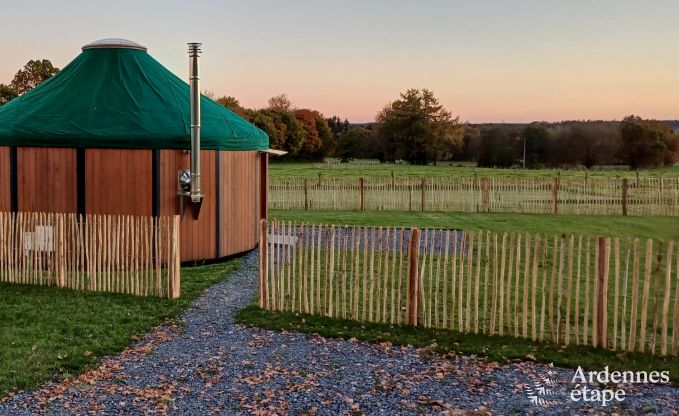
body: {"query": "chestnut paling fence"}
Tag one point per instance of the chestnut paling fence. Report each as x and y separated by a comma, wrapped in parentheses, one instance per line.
(608, 292)
(590, 196)
(98, 253)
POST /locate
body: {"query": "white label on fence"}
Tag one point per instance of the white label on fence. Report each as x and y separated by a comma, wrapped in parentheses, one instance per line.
(40, 240)
(44, 238)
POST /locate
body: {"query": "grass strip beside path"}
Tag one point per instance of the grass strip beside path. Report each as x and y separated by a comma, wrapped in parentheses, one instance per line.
(47, 332)
(496, 348)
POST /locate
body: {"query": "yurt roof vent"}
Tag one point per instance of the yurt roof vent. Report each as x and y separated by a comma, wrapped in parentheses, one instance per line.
(114, 43)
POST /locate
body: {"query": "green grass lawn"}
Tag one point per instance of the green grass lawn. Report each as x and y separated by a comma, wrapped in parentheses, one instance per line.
(312, 170)
(46, 332)
(499, 348)
(665, 228)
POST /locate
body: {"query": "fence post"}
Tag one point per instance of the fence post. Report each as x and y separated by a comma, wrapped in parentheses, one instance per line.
(413, 276)
(486, 194)
(624, 196)
(306, 194)
(361, 187)
(263, 267)
(61, 250)
(555, 195)
(422, 183)
(175, 266)
(602, 292)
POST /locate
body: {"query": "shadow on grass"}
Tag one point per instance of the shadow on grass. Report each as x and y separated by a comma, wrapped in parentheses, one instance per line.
(497, 348)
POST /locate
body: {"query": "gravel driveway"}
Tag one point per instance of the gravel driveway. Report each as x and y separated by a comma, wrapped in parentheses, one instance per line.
(208, 365)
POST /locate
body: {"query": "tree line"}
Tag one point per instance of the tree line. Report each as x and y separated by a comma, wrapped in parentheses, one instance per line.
(417, 129)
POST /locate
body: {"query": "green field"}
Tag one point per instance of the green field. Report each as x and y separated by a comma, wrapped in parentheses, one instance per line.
(312, 170)
(664, 228)
(48, 333)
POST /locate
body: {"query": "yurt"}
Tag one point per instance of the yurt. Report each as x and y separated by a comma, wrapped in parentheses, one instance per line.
(115, 132)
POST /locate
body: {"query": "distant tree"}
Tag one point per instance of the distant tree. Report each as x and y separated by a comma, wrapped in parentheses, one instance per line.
(266, 121)
(232, 103)
(280, 102)
(325, 133)
(537, 140)
(647, 143)
(7, 93)
(499, 146)
(209, 94)
(337, 125)
(32, 74)
(294, 133)
(356, 143)
(284, 130)
(471, 143)
(418, 129)
(312, 148)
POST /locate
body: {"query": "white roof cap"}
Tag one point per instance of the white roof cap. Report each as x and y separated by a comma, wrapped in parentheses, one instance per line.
(114, 43)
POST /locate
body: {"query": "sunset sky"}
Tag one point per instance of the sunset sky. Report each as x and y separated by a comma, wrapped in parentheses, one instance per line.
(487, 61)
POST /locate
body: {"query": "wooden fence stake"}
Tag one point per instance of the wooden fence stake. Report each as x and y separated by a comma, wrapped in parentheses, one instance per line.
(413, 276)
(602, 293)
(485, 194)
(263, 269)
(423, 183)
(361, 186)
(666, 300)
(625, 187)
(555, 195)
(306, 195)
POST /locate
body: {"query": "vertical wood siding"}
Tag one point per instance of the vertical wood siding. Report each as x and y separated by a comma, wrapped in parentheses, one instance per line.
(197, 236)
(239, 201)
(4, 179)
(117, 181)
(46, 179)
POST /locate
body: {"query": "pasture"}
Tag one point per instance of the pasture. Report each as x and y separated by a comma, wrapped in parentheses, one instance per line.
(364, 169)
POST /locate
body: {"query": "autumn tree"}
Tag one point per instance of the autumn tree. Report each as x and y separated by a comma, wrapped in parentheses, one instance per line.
(32, 74)
(232, 103)
(280, 102)
(418, 129)
(284, 130)
(647, 143)
(313, 146)
(7, 93)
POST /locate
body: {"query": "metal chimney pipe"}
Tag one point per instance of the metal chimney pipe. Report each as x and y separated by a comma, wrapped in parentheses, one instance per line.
(194, 84)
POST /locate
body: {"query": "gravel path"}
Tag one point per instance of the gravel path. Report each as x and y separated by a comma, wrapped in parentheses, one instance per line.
(209, 365)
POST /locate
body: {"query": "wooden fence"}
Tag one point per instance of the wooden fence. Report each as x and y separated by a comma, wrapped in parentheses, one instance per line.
(600, 196)
(99, 253)
(607, 292)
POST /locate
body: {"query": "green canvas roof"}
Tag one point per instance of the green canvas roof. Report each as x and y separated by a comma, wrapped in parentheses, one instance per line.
(120, 97)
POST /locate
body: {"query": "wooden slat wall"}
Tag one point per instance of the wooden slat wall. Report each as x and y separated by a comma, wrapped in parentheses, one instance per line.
(46, 179)
(118, 181)
(198, 237)
(239, 201)
(4, 179)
